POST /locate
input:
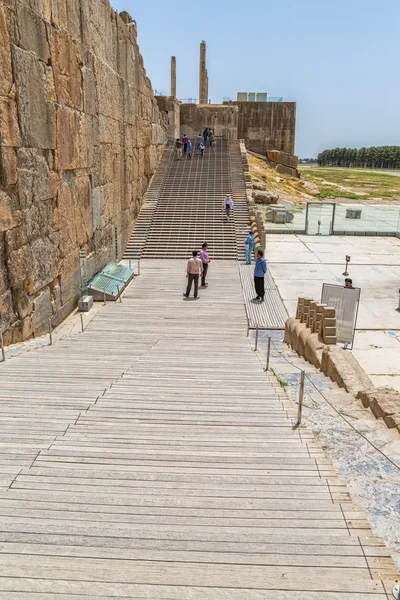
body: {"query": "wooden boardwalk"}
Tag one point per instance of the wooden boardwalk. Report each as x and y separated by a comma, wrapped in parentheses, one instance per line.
(152, 458)
(270, 314)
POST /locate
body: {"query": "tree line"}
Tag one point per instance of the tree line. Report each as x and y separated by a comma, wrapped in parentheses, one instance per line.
(377, 157)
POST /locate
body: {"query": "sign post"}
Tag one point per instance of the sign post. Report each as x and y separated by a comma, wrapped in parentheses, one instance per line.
(347, 264)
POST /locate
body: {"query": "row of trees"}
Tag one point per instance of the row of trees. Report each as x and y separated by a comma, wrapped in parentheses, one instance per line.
(378, 157)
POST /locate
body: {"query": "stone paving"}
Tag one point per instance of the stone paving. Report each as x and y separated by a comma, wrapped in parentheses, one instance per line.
(152, 457)
(301, 264)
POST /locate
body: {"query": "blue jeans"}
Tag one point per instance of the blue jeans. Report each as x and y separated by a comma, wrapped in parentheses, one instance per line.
(249, 252)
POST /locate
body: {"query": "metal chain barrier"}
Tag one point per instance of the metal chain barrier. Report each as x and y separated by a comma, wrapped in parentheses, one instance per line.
(301, 394)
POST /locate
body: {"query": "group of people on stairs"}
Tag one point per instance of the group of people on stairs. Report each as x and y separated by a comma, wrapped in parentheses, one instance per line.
(184, 146)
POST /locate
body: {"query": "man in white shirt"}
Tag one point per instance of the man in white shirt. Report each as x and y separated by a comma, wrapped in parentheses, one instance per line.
(228, 205)
(193, 272)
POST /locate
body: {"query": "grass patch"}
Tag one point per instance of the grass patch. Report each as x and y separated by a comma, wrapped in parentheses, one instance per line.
(281, 382)
(328, 192)
(358, 183)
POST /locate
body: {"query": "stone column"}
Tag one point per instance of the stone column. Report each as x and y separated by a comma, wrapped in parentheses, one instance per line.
(173, 76)
(203, 88)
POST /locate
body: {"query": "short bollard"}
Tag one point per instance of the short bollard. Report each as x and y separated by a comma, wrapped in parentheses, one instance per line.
(256, 344)
(104, 298)
(138, 267)
(50, 333)
(3, 353)
(130, 263)
(82, 327)
(301, 396)
(268, 354)
(119, 294)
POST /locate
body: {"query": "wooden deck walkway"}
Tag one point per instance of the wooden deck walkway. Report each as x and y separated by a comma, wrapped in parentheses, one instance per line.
(270, 314)
(151, 457)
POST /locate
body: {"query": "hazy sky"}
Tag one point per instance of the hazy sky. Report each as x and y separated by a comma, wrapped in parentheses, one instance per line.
(339, 60)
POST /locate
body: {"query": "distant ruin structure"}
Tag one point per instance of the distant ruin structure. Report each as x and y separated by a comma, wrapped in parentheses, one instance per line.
(203, 87)
(173, 76)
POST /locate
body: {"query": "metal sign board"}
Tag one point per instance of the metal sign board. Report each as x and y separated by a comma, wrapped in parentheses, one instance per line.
(346, 301)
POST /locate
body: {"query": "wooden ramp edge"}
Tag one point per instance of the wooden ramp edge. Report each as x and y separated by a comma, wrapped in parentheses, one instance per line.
(270, 314)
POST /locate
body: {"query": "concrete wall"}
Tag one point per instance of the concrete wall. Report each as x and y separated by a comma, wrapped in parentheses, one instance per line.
(267, 126)
(80, 136)
(171, 107)
(222, 118)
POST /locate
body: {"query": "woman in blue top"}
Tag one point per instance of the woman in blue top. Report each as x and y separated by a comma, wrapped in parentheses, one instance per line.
(249, 241)
(259, 273)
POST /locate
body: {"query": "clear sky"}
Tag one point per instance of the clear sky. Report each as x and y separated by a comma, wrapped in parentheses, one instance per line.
(338, 59)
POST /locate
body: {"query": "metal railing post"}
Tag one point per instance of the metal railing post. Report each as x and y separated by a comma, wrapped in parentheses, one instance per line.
(104, 298)
(139, 266)
(268, 353)
(256, 344)
(119, 294)
(82, 327)
(130, 263)
(3, 352)
(301, 396)
(50, 332)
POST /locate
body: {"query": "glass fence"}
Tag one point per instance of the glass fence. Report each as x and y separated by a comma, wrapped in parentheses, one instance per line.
(324, 218)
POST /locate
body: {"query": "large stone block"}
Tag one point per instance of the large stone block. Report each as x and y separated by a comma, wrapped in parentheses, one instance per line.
(59, 13)
(7, 315)
(10, 216)
(8, 166)
(67, 62)
(89, 92)
(283, 158)
(31, 31)
(9, 127)
(6, 25)
(36, 114)
(42, 8)
(3, 268)
(72, 139)
(36, 182)
(42, 310)
(109, 89)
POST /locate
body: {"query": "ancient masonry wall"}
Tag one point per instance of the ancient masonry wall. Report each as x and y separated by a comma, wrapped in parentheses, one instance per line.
(267, 126)
(80, 137)
(223, 119)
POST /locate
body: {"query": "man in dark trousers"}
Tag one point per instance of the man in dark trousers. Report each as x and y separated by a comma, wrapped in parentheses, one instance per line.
(259, 273)
(194, 271)
(205, 259)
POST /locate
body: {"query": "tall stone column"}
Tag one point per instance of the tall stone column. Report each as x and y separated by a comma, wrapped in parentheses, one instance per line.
(173, 76)
(203, 88)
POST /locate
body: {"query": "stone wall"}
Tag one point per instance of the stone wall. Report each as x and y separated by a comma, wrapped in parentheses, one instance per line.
(171, 107)
(267, 126)
(220, 117)
(80, 137)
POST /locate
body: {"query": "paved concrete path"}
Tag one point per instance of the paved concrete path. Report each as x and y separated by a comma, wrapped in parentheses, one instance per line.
(152, 457)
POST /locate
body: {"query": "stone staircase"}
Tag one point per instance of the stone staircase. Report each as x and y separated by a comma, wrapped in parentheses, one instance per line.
(184, 207)
(140, 231)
